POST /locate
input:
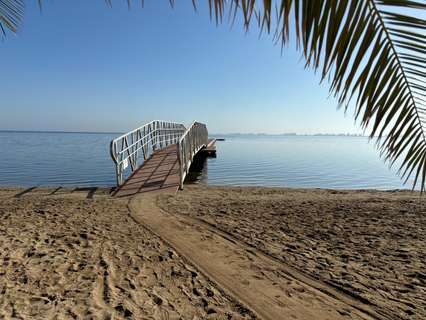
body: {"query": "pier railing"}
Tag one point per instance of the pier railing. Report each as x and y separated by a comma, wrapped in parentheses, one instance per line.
(192, 141)
(139, 144)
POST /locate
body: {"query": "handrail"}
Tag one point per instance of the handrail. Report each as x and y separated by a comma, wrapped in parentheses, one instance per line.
(143, 141)
(193, 140)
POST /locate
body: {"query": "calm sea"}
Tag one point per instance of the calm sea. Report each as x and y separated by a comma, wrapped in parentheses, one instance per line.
(82, 159)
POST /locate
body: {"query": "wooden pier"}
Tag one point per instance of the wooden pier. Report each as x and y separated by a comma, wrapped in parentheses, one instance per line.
(167, 151)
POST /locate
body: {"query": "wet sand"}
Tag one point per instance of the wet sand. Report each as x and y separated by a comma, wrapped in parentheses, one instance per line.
(80, 255)
(369, 245)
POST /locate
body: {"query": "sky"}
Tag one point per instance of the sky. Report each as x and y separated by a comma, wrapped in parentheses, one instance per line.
(84, 66)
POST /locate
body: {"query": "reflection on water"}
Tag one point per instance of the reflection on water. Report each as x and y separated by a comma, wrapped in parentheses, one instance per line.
(82, 159)
(198, 171)
(298, 161)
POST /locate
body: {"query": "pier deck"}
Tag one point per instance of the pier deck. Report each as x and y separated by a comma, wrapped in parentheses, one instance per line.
(160, 173)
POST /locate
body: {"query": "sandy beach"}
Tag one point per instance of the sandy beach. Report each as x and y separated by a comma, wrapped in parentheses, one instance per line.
(367, 244)
(64, 256)
(80, 254)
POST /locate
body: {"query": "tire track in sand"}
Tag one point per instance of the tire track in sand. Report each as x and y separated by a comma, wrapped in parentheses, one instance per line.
(268, 287)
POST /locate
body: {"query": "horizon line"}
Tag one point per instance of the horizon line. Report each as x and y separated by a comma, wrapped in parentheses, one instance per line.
(60, 131)
(216, 134)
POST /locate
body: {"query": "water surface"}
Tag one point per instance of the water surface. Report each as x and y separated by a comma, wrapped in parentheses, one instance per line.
(82, 159)
(55, 159)
(299, 161)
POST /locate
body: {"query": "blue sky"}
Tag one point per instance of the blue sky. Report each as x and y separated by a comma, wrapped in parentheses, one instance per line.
(83, 66)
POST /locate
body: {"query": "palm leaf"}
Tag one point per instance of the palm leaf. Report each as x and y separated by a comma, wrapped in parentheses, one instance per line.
(11, 12)
(372, 54)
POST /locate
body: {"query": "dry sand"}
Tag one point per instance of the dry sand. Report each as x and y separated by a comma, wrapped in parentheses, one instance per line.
(270, 288)
(370, 245)
(67, 254)
(64, 255)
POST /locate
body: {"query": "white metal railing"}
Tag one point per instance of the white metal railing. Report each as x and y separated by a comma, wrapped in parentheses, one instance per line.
(142, 142)
(193, 140)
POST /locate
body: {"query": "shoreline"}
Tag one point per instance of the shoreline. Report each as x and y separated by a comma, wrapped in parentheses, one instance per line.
(203, 185)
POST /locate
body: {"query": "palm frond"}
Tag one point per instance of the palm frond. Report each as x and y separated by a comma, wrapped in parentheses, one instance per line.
(11, 12)
(372, 54)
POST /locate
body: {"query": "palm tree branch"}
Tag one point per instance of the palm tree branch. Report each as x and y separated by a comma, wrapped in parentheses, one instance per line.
(11, 13)
(414, 43)
(369, 53)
